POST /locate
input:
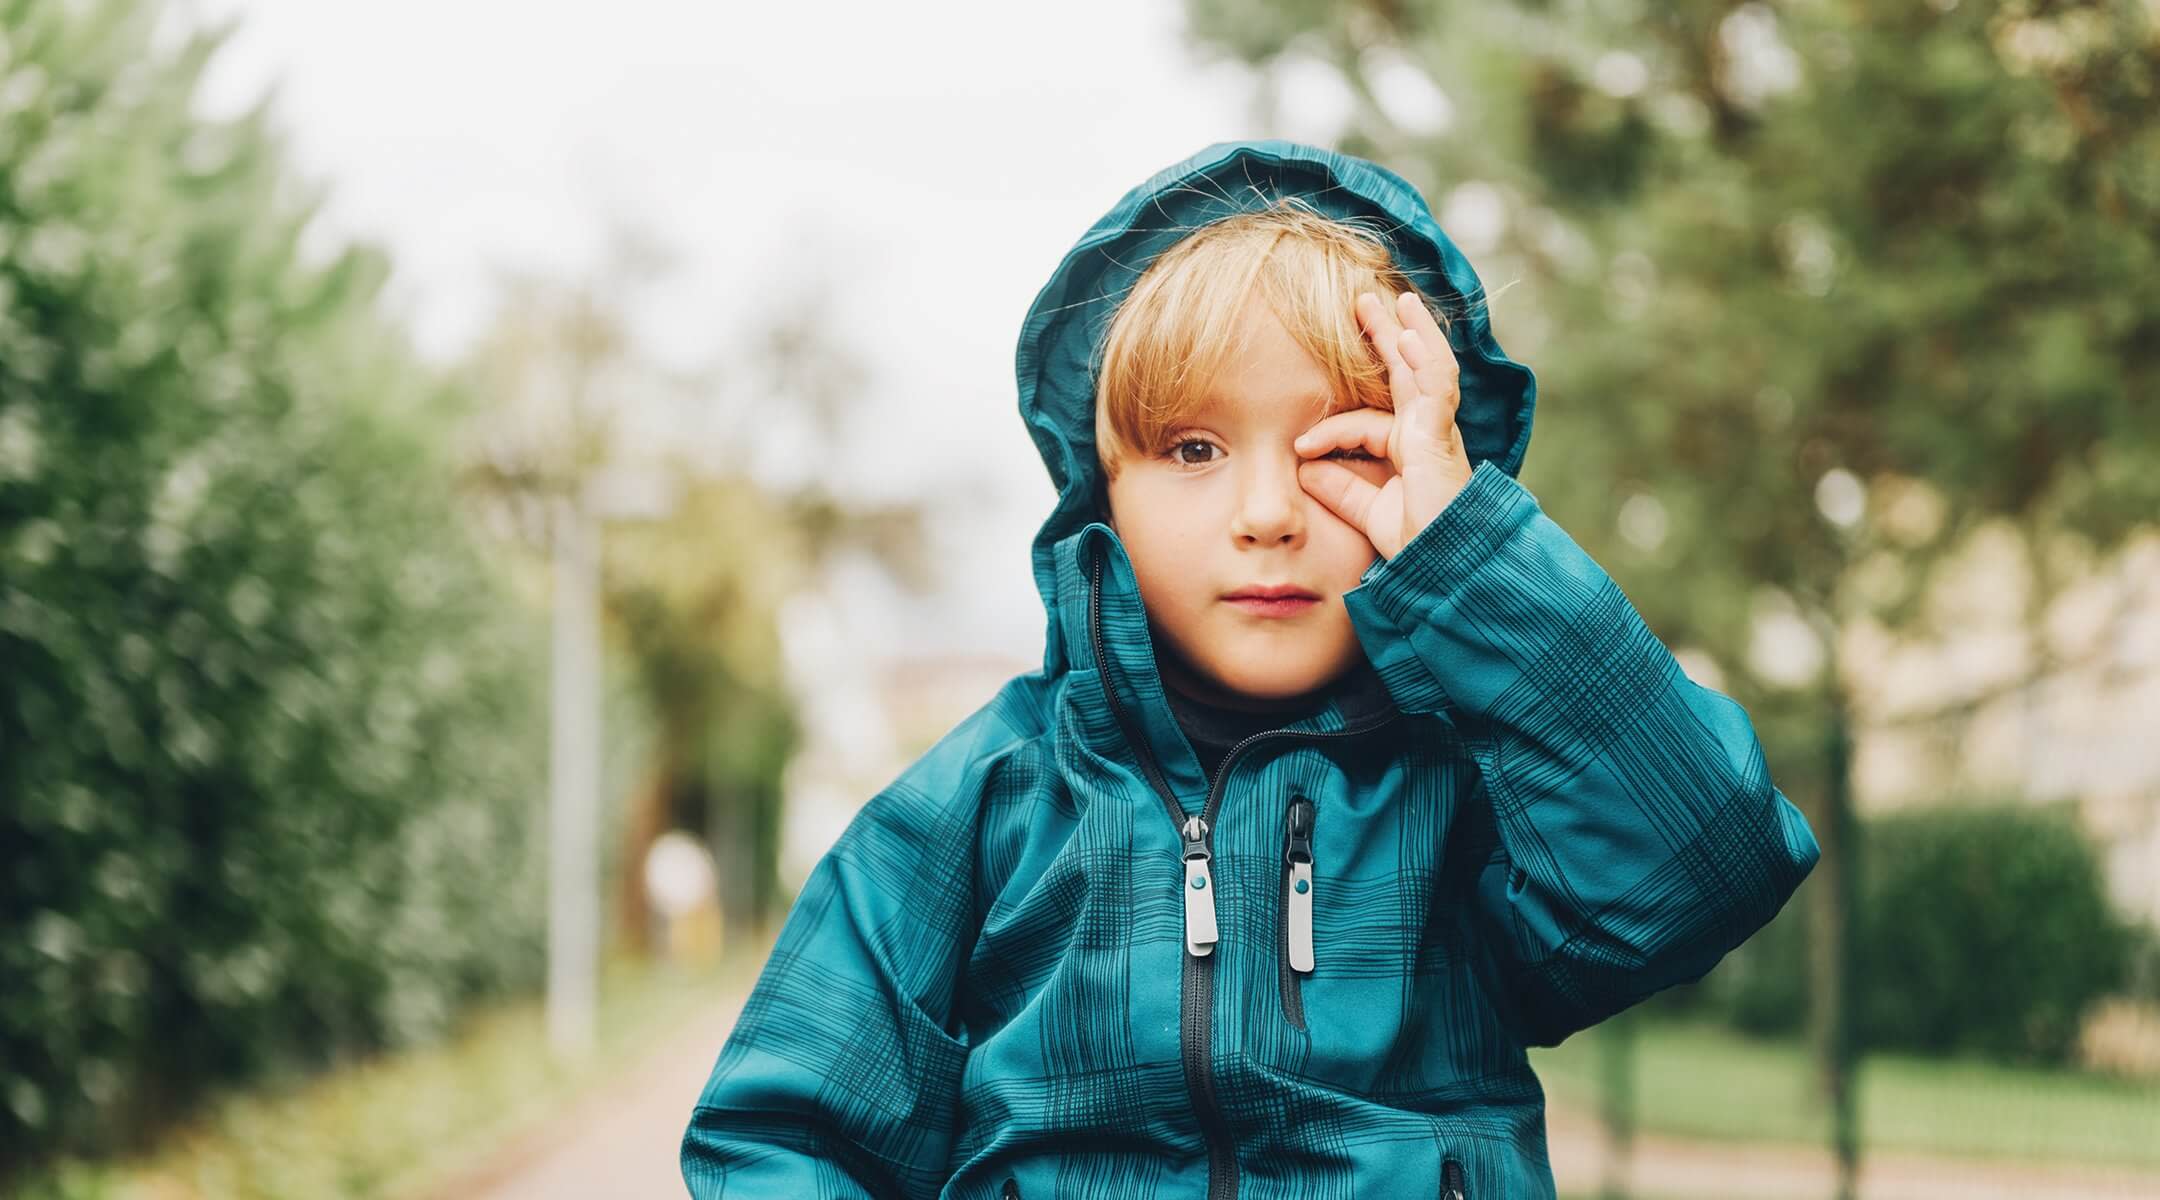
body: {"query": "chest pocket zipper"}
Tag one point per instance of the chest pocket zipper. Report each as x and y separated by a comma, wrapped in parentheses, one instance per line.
(1297, 911)
(1451, 1180)
(1011, 1190)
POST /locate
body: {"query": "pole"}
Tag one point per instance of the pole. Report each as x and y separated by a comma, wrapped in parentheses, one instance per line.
(574, 786)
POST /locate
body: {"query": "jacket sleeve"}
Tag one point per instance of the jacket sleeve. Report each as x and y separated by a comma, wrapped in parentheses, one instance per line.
(841, 1075)
(1637, 835)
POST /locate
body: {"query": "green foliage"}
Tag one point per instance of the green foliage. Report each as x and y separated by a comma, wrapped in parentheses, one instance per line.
(1979, 928)
(1985, 929)
(268, 716)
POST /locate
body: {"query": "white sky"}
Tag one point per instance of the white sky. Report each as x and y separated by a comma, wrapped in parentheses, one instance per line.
(937, 159)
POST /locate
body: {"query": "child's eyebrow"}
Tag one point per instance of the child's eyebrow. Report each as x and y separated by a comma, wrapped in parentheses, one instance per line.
(1210, 403)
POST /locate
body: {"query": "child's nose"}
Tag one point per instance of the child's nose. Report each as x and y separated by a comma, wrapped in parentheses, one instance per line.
(1271, 504)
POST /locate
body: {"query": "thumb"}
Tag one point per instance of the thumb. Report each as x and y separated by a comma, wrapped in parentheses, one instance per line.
(1343, 491)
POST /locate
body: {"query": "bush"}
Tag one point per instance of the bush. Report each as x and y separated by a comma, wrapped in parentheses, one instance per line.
(1986, 929)
(1977, 928)
(268, 718)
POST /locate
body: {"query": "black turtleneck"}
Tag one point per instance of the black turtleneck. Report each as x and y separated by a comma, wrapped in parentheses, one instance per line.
(1213, 730)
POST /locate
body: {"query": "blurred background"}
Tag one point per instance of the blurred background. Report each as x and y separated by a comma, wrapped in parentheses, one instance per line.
(487, 490)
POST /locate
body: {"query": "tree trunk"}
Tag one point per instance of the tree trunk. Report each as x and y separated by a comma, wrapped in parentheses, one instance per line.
(1832, 983)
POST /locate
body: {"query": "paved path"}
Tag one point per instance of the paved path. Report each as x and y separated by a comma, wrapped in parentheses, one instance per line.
(620, 1143)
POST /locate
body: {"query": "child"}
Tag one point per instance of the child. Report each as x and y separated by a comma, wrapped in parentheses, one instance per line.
(1347, 775)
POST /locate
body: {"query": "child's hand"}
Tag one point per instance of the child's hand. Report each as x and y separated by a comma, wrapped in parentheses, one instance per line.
(1419, 439)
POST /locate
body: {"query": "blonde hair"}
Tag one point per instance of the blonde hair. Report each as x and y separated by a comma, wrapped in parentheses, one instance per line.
(1174, 330)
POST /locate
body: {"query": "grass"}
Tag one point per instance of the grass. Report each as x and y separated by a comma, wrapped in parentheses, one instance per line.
(402, 1124)
(1695, 1080)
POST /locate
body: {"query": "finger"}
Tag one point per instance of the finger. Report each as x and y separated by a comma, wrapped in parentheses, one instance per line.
(1372, 311)
(1380, 327)
(1428, 412)
(1414, 314)
(1389, 336)
(1341, 490)
(1432, 361)
(1354, 429)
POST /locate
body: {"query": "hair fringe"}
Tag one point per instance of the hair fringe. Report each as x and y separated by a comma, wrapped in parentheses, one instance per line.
(1170, 332)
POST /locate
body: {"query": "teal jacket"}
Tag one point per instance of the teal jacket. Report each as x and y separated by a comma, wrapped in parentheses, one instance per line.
(986, 990)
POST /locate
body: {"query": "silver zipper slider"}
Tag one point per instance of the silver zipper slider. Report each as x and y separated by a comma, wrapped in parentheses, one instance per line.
(1297, 853)
(1199, 891)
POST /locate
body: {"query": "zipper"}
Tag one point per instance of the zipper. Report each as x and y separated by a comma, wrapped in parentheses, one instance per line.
(1011, 1190)
(1196, 1002)
(1297, 939)
(1451, 1180)
(1199, 896)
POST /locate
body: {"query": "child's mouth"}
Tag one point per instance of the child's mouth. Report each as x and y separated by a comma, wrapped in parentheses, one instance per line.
(1273, 606)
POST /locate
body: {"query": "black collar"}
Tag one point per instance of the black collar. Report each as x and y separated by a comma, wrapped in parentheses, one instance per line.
(1359, 692)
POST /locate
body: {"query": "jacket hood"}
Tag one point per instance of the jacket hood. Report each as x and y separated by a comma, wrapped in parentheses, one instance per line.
(1061, 339)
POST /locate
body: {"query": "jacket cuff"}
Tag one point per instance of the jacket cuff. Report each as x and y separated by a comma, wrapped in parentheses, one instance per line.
(1398, 596)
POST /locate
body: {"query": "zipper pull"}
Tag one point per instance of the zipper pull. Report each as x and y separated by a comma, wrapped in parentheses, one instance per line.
(1199, 891)
(1297, 855)
(1451, 1180)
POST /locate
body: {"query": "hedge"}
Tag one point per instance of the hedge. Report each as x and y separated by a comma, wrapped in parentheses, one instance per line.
(271, 721)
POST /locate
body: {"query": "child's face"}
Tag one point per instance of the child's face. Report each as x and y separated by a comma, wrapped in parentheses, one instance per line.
(1222, 510)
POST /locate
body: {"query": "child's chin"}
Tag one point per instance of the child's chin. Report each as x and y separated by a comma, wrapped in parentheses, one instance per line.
(1279, 679)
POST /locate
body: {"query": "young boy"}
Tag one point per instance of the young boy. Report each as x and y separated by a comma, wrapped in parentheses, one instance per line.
(1347, 775)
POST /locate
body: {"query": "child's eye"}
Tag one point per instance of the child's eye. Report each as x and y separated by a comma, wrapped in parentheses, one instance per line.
(1351, 452)
(1177, 452)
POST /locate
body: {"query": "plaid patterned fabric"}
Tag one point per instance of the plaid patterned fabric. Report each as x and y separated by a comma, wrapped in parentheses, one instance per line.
(983, 989)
